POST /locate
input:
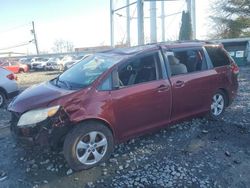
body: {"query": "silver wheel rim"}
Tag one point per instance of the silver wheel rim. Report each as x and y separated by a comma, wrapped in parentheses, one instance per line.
(91, 148)
(217, 105)
(1, 99)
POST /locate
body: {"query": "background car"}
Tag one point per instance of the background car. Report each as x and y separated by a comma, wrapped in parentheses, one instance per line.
(26, 61)
(8, 85)
(39, 63)
(64, 61)
(74, 61)
(51, 64)
(15, 67)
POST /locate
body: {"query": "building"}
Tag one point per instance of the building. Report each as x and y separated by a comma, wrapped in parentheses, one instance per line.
(238, 48)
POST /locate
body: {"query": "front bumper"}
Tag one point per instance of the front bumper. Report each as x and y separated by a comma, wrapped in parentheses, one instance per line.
(46, 133)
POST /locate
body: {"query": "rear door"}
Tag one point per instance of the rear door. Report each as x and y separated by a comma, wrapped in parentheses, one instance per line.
(142, 98)
(192, 80)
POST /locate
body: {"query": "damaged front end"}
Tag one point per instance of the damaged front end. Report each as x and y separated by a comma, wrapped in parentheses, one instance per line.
(48, 132)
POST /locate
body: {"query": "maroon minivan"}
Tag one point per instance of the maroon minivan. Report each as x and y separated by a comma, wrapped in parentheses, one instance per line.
(116, 95)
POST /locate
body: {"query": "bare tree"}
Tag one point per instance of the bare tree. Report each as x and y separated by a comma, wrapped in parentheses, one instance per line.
(61, 46)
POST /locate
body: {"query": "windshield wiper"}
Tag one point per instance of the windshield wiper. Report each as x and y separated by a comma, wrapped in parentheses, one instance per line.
(63, 82)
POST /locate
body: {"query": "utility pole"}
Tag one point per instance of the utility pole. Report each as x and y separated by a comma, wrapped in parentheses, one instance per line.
(153, 29)
(33, 31)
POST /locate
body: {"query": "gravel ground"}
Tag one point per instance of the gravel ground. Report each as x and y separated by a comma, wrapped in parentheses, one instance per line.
(27, 79)
(196, 153)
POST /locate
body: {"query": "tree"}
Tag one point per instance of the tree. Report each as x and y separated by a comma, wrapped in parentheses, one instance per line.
(61, 46)
(231, 19)
(186, 27)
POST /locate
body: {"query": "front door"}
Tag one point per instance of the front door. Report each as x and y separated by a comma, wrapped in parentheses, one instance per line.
(143, 100)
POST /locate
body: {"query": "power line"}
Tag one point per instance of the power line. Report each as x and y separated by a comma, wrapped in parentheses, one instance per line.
(14, 28)
(17, 45)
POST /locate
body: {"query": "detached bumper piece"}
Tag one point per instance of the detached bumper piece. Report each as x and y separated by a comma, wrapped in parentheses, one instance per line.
(49, 133)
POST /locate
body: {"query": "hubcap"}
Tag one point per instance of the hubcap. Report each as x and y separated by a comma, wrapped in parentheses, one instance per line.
(217, 105)
(91, 148)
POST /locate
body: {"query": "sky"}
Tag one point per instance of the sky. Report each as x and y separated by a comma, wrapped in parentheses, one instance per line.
(85, 23)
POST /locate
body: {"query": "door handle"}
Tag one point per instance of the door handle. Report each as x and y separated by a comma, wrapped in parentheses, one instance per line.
(179, 83)
(162, 88)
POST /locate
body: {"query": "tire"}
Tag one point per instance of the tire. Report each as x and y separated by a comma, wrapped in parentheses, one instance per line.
(218, 105)
(21, 71)
(81, 152)
(2, 99)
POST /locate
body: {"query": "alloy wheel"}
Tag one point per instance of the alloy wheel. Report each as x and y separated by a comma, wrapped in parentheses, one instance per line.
(218, 104)
(91, 148)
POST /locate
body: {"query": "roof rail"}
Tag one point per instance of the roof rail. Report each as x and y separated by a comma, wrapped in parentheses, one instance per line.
(183, 41)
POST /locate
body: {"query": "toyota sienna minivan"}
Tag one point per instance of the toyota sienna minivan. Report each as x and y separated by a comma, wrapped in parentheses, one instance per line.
(116, 95)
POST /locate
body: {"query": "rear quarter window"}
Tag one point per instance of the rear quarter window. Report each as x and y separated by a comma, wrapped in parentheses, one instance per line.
(218, 56)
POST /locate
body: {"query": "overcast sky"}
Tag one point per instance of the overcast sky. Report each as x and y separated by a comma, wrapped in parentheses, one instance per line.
(83, 22)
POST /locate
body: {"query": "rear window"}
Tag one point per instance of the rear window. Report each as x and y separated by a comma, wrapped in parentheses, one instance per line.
(218, 56)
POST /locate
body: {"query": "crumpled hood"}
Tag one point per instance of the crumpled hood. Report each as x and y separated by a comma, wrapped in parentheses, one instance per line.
(37, 96)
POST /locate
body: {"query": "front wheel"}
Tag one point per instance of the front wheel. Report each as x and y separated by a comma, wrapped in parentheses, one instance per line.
(88, 145)
(218, 105)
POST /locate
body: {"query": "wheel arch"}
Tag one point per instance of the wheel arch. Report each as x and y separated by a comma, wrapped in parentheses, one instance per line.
(226, 93)
(103, 121)
(21, 70)
(4, 91)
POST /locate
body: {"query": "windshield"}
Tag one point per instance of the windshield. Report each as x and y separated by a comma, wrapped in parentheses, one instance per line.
(85, 72)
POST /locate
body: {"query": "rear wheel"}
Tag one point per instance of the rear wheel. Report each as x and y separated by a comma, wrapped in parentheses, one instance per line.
(2, 99)
(88, 145)
(218, 105)
(21, 71)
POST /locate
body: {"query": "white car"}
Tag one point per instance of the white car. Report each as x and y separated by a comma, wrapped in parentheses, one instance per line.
(65, 60)
(52, 64)
(8, 85)
(38, 63)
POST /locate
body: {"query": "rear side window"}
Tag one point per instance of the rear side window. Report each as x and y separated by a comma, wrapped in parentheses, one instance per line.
(218, 56)
(183, 61)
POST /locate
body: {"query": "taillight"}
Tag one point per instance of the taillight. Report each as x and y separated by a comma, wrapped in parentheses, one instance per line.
(234, 68)
(11, 77)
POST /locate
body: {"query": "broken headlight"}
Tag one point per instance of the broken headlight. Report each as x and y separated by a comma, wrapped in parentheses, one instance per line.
(30, 118)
